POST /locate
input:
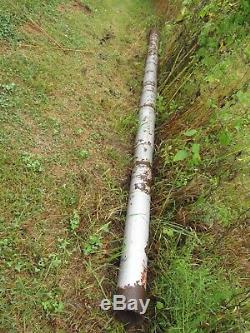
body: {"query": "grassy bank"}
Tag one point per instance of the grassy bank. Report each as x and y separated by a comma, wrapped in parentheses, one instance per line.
(70, 74)
(200, 245)
(70, 81)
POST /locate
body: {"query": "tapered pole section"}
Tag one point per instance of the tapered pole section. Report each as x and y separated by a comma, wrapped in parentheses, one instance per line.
(133, 266)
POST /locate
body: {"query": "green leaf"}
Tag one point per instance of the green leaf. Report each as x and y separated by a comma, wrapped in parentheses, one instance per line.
(238, 124)
(74, 221)
(196, 158)
(87, 249)
(83, 154)
(169, 232)
(180, 155)
(95, 240)
(190, 132)
(59, 307)
(159, 305)
(224, 138)
(196, 148)
(93, 245)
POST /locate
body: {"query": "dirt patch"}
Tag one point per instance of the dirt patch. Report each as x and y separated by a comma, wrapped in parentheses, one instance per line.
(4, 47)
(76, 5)
(31, 28)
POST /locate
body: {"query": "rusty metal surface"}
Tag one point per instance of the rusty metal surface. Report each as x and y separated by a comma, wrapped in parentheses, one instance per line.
(133, 268)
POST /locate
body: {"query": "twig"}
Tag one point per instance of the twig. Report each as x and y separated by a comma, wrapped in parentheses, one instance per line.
(45, 32)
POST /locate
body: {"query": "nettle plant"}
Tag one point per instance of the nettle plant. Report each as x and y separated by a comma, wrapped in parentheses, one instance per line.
(225, 25)
(191, 150)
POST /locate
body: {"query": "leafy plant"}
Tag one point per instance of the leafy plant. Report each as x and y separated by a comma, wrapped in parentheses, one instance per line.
(190, 132)
(181, 155)
(63, 244)
(93, 245)
(84, 154)
(196, 158)
(194, 152)
(7, 27)
(224, 138)
(94, 242)
(74, 221)
(32, 163)
(53, 306)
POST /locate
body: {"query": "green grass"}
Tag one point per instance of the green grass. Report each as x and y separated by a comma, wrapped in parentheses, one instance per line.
(201, 189)
(193, 293)
(69, 91)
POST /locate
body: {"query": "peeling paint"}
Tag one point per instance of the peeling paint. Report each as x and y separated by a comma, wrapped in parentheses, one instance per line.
(146, 163)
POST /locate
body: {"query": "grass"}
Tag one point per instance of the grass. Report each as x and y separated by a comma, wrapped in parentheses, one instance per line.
(201, 202)
(192, 293)
(69, 90)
